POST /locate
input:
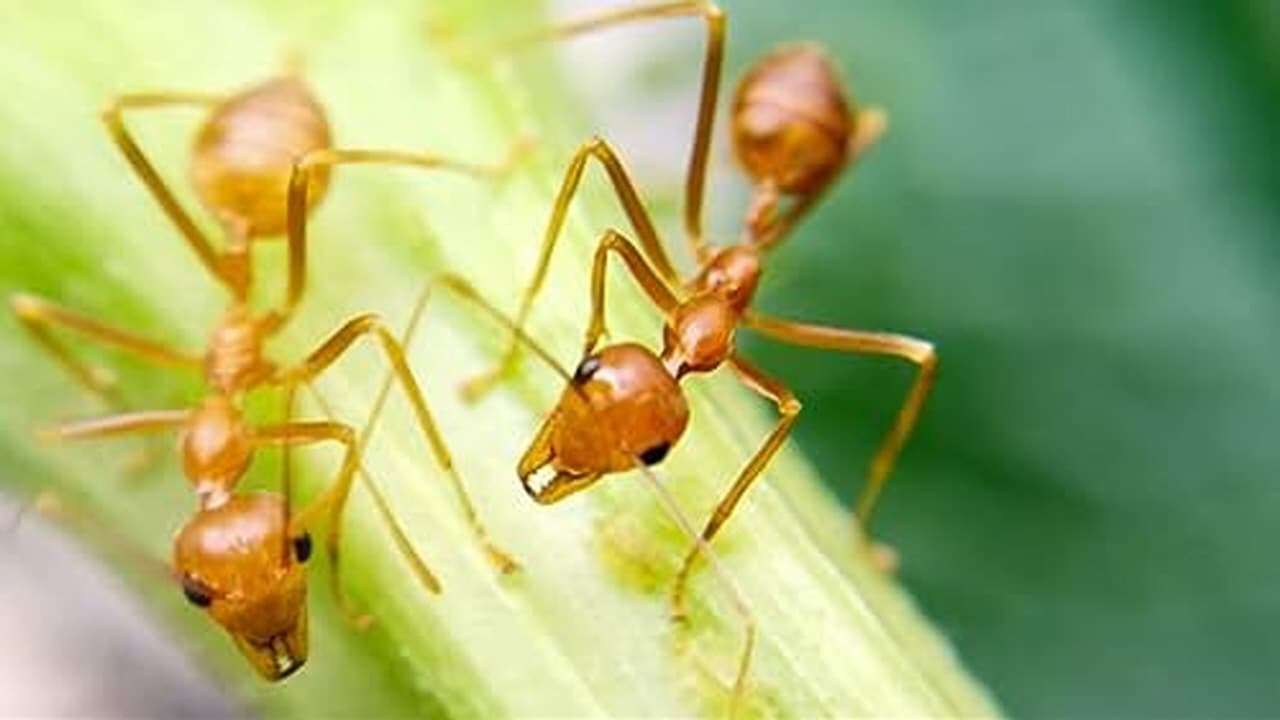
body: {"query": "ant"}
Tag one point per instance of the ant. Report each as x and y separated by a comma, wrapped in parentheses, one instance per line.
(593, 413)
(261, 160)
(794, 133)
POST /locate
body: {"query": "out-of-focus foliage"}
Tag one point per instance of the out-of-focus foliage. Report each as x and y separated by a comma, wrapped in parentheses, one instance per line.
(1080, 202)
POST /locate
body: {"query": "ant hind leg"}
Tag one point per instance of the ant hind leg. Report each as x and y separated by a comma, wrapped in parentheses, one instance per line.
(918, 352)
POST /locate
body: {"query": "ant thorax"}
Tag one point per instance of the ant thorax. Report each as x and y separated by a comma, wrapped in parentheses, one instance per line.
(234, 362)
(216, 449)
(699, 334)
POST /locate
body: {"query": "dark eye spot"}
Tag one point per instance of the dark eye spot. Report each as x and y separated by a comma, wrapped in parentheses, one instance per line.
(197, 594)
(588, 367)
(302, 547)
(655, 454)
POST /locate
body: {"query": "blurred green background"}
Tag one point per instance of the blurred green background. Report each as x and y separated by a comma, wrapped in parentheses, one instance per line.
(1080, 203)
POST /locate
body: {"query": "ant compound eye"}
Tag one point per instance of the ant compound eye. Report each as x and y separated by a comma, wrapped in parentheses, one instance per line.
(588, 367)
(302, 547)
(197, 594)
(655, 454)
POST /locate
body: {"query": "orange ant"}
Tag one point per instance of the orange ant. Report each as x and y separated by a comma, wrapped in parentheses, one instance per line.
(593, 414)
(794, 132)
(261, 160)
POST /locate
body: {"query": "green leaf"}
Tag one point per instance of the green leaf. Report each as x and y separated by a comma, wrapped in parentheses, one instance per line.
(583, 629)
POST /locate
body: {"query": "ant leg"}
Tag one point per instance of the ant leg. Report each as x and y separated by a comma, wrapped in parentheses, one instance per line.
(38, 316)
(657, 290)
(702, 546)
(625, 190)
(398, 535)
(145, 421)
(789, 409)
(333, 348)
(113, 116)
(871, 124)
(913, 350)
(300, 183)
(53, 506)
(332, 501)
(465, 291)
(712, 65)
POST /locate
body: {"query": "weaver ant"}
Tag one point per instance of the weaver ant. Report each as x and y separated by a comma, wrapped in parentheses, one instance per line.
(593, 413)
(794, 133)
(261, 161)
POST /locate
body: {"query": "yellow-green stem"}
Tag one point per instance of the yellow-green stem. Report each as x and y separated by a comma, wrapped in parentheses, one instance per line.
(583, 629)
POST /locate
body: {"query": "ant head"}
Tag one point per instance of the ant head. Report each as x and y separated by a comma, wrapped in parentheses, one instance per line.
(791, 121)
(622, 404)
(231, 562)
(244, 154)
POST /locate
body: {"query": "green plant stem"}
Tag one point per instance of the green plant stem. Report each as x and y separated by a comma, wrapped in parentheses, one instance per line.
(583, 629)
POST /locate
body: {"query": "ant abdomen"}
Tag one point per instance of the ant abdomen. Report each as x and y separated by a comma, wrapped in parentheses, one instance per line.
(244, 154)
(791, 121)
(233, 560)
(623, 404)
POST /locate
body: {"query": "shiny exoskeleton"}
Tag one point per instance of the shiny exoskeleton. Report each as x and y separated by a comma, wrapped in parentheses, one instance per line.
(794, 132)
(260, 162)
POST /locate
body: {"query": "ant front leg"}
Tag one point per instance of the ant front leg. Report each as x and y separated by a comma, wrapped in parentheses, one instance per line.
(918, 352)
(338, 344)
(627, 195)
(656, 289)
(702, 546)
(39, 317)
(425, 577)
(113, 116)
(463, 290)
(332, 502)
(146, 421)
(52, 506)
(135, 423)
(300, 183)
(789, 409)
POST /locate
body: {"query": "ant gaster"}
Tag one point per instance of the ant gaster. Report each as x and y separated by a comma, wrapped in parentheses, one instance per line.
(261, 160)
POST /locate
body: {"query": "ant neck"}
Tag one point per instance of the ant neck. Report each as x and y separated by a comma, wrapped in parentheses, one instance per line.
(762, 211)
(237, 260)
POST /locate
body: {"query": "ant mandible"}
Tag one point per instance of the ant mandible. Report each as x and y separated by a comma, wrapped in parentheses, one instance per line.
(261, 161)
(794, 133)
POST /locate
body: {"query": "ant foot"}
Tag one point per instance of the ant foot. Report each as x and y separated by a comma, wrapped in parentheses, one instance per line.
(884, 557)
(138, 464)
(505, 564)
(359, 621)
(475, 388)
